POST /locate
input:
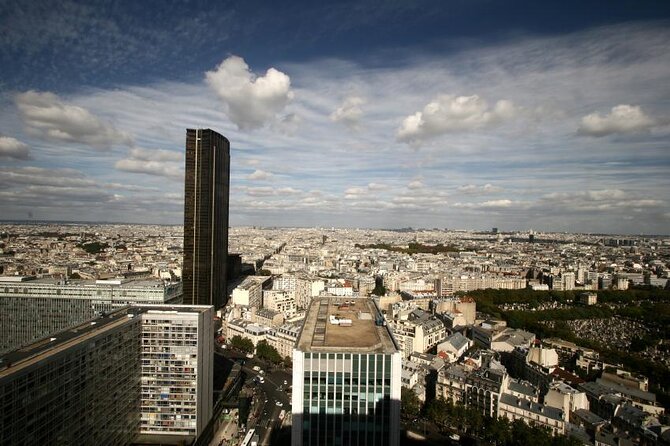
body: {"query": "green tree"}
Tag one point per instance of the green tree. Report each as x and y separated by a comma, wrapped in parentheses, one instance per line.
(409, 403)
(266, 351)
(380, 289)
(439, 412)
(242, 344)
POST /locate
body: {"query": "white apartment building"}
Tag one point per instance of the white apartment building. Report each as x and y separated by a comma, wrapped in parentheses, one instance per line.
(250, 292)
(448, 285)
(177, 348)
(283, 339)
(281, 301)
(418, 332)
(514, 408)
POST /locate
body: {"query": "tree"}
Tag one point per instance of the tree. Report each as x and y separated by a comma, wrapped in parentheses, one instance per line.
(438, 411)
(380, 289)
(288, 362)
(266, 351)
(410, 405)
(242, 344)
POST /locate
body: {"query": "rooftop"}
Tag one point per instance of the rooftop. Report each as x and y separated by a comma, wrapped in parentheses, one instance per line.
(14, 360)
(345, 324)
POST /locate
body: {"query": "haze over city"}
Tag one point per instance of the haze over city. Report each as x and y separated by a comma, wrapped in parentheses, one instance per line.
(522, 115)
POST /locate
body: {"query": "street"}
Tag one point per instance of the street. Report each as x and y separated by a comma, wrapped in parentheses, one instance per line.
(264, 411)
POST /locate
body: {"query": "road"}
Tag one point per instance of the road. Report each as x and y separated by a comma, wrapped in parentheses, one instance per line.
(264, 415)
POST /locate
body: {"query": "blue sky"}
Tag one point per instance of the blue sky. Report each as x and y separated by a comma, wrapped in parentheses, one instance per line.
(553, 116)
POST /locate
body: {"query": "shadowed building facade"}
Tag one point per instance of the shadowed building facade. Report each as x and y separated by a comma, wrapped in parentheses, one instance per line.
(206, 191)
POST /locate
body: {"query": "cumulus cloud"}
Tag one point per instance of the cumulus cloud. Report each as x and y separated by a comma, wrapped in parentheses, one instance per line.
(492, 204)
(621, 119)
(377, 186)
(417, 184)
(267, 191)
(350, 112)
(355, 193)
(448, 113)
(288, 124)
(39, 176)
(13, 148)
(596, 200)
(474, 189)
(259, 175)
(250, 100)
(46, 116)
(139, 153)
(157, 162)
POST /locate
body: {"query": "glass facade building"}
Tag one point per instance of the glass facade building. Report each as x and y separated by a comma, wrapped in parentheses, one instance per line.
(206, 192)
(31, 308)
(80, 387)
(141, 373)
(346, 376)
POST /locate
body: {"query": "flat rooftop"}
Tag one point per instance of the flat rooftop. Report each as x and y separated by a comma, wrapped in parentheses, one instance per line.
(15, 360)
(121, 283)
(360, 335)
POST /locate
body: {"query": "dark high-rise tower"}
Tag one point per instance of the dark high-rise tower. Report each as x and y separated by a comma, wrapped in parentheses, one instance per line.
(206, 191)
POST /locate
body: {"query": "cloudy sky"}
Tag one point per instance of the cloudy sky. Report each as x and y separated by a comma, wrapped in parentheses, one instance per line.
(553, 116)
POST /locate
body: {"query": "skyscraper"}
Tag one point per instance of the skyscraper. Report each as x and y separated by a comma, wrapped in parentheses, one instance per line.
(206, 191)
(346, 376)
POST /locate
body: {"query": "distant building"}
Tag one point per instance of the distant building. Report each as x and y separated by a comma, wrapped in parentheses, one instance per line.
(346, 376)
(206, 192)
(587, 298)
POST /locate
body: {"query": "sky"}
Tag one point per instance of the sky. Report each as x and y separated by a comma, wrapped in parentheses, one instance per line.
(521, 115)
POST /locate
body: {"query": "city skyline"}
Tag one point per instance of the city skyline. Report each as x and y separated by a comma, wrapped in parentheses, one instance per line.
(362, 114)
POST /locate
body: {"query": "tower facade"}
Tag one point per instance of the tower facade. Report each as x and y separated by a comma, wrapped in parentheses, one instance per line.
(206, 191)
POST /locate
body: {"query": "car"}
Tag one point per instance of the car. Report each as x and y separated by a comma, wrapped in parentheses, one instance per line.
(250, 356)
(279, 404)
(285, 382)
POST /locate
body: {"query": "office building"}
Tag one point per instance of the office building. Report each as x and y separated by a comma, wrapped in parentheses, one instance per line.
(80, 386)
(346, 376)
(140, 373)
(32, 308)
(206, 191)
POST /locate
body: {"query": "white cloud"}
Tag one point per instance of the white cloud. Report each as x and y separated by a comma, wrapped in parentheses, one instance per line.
(139, 153)
(288, 124)
(622, 119)
(493, 204)
(157, 162)
(259, 175)
(13, 148)
(377, 186)
(268, 191)
(417, 184)
(44, 177)
(250, 100)
(448, 113)
(157, 168)
(349, 112)
(474, 189)
(46, 116)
